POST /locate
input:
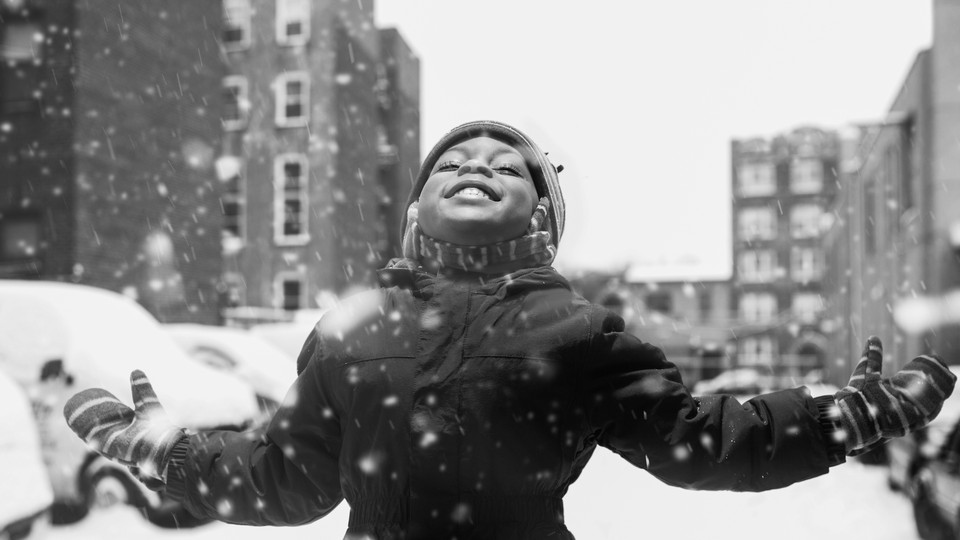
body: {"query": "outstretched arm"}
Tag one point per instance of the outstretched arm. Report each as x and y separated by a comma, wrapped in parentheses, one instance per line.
(638, 405)
(283, 474)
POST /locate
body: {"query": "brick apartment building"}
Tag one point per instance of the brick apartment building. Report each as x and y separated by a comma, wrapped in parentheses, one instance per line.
(109, 122)
(897, 232)
(320, 146)
(782, 187)
(203, 155)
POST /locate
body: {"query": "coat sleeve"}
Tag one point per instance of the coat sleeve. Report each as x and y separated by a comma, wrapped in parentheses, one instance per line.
(285, 473)
(637, 406)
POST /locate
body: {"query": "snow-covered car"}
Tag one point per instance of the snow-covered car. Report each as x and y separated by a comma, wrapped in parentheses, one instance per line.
(906, 454)
(60, 338)
(936, 491)
(24, 509)
(236, 351)
(286, 336)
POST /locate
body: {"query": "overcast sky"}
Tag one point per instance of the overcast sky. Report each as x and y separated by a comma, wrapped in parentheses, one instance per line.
(639, 100)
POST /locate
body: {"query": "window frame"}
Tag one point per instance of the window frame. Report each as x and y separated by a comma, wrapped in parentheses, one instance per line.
(280, 198)
(288, 11)
(244, 9)
(282, 99)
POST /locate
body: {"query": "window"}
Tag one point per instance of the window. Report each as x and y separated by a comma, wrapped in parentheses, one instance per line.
(293, 22)
(20, 41)
(805, 221)
(757, 224)
(758, 307)
(293, 91)
(291, 291)
(236, 104)
(19, 237)
(806, 306)
(706, 304)
(870, 217)
(806, 175)
(756, 179)
(757, 265)
(232, 205)
(660, 301)
(805, 264)
(899, 177)
(757, 350)
(291, 204)
(236, 24)
(20, 66)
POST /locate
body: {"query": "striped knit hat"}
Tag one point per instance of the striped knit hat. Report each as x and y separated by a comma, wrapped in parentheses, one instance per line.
(544, 173)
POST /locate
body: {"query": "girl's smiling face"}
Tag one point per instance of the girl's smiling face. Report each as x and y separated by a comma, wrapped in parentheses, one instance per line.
(479, 192)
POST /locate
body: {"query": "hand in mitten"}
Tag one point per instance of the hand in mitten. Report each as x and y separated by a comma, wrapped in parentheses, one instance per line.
(872, 409)
(140, 438)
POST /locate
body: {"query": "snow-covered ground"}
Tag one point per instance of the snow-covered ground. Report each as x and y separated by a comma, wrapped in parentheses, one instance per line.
(614, 501)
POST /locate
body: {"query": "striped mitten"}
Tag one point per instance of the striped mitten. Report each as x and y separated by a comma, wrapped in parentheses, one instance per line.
(139, 438)
(872, 409)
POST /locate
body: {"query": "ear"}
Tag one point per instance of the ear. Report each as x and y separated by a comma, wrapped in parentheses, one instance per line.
(410, 246)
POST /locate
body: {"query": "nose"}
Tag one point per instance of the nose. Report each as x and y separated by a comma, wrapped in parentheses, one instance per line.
(475, 166)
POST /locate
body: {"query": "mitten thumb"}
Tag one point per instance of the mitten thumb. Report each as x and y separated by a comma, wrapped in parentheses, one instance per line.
(144, 398)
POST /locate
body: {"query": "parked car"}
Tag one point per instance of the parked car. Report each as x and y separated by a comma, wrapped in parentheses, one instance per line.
(906, 454)
(936, 491)
(25, 507)
(60, 338)
(286, 336)
(236, 351)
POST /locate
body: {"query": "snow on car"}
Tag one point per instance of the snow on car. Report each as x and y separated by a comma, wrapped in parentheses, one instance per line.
(269, 370)
(60, 338)
(22, 471)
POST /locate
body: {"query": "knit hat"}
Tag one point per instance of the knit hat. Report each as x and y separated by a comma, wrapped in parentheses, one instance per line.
(543, 172)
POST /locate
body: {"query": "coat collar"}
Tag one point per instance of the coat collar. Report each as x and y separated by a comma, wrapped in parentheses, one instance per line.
(406, 274)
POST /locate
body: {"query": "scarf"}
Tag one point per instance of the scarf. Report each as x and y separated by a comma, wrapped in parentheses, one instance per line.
(530, 250)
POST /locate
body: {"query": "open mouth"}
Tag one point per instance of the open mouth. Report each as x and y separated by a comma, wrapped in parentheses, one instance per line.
(472, 189)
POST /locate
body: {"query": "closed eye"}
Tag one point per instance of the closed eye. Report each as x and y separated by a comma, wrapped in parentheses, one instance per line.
(449, 166)
(511, 170)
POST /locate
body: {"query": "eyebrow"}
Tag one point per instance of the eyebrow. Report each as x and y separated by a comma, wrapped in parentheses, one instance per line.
(496, 153)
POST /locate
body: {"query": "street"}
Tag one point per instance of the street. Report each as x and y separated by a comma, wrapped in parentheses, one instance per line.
(613, 501)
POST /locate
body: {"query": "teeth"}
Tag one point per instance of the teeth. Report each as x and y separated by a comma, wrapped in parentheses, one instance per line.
(471, 192)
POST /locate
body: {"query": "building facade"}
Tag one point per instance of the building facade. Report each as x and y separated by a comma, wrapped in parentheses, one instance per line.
(109, 126)
(320, 145)
(896, 235)
(690, 320)
(782, 188)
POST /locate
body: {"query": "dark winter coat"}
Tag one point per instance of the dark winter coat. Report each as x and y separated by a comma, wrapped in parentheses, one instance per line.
(443, 408)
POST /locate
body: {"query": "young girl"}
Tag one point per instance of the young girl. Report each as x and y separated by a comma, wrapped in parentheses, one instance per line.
(464, 396)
